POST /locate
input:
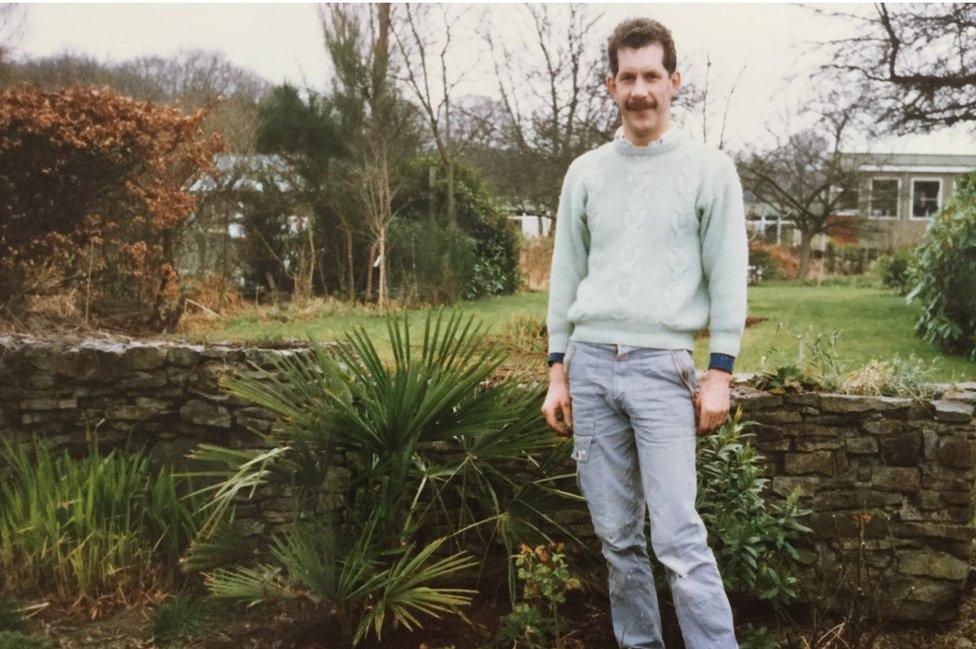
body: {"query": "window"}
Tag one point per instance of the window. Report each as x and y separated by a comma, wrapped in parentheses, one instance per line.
(847, 199)
(884, 198)
(926, 196)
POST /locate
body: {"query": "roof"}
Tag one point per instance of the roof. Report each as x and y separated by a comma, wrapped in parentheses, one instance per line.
(930, 162)
(249, 166)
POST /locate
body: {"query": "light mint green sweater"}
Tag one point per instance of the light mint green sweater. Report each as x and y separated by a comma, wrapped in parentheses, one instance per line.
(650, 246)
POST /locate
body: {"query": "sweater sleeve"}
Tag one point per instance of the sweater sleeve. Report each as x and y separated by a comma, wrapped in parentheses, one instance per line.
(569, 260)
(725, 258)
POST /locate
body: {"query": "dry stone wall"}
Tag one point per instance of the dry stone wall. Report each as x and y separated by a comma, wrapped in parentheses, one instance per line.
(890, 483)
(889, 480)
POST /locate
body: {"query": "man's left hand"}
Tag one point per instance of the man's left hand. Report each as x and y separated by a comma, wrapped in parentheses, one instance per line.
(714, 395)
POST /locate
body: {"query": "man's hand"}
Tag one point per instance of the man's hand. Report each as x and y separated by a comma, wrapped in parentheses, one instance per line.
(714, 394)
(558, 401)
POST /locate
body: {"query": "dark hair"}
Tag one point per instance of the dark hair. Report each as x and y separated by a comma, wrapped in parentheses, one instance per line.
(635, 33)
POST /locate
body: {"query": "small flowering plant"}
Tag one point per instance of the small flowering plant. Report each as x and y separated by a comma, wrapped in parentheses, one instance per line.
(534, 623)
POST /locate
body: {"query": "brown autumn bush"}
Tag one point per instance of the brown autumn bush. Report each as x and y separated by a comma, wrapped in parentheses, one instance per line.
(93, 187)
(778, 262)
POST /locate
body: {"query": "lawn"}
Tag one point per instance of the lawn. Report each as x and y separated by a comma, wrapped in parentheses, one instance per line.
(872, 323)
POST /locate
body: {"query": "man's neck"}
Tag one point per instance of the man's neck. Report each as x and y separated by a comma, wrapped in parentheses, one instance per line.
(650, 138)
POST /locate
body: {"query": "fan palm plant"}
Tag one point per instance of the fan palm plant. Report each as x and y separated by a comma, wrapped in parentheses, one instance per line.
(434, 452)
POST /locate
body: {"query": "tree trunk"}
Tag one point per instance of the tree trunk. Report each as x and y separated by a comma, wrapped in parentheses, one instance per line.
(806, 240)
(369, 273)
(381, 299)
(451, 209)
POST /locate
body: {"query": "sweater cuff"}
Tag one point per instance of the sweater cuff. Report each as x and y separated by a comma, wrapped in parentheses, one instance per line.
(721, 361)
(555, 357)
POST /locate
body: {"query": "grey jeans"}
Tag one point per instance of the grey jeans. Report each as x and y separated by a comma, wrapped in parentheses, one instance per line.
(634, 445)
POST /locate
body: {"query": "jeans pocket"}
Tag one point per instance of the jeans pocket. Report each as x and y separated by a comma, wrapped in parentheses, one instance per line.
(684, 364)
(581, 448)
(581, 453)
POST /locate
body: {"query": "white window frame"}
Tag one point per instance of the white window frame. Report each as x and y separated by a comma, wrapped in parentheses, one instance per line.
(893, 217)
(911, 197)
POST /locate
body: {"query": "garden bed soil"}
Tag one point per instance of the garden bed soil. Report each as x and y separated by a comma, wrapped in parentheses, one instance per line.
(293, 626)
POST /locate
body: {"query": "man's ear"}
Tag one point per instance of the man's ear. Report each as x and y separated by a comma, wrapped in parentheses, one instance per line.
(612, 85)
(675, 82)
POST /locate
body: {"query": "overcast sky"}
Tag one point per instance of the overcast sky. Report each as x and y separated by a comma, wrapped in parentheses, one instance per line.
(283, 42)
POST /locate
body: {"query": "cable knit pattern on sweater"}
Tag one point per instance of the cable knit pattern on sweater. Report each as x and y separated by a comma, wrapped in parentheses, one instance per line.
(650, 246)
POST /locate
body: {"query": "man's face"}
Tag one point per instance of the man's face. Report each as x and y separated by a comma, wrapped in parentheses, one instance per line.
(643, 90)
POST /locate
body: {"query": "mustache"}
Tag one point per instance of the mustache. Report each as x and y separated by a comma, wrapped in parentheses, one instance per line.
(639, 105)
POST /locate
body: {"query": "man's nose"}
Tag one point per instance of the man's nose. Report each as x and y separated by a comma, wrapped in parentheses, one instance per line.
(640, 89)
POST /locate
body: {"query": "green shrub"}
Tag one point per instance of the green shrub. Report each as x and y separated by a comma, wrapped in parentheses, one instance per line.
(430, 263)
(944, 275)
(843, 258)
(90, 526)
(496, 271)
(752, 537)
(479, 215)
(893, 269)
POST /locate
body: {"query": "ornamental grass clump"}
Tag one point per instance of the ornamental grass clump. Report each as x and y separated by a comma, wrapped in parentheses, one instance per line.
(84, 528)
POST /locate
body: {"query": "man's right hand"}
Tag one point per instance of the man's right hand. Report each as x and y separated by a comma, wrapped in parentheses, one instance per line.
(558, 402)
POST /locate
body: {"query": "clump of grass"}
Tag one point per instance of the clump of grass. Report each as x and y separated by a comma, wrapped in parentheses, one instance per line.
(526, 333)
(895, 377)
(83, 528)
(180, 617)
(818, 367)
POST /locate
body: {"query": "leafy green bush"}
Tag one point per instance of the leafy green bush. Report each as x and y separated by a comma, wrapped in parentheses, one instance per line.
(372, 493)
(496, 271)
(753, 538)
(893, 269)
(944, 276)
(91, 526)
(479, 215)
(842, 258)
(430, 263)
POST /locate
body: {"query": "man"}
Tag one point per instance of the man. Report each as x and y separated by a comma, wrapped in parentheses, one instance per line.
(650, 246)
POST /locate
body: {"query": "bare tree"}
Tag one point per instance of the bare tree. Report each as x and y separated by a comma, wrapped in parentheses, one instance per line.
(799, 177)
(917, 61)
(11, 30)
(553, 105)
(702, 96)
(379, 120)
(426, 52)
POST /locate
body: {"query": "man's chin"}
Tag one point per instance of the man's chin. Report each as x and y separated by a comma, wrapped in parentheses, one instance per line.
(642, 128)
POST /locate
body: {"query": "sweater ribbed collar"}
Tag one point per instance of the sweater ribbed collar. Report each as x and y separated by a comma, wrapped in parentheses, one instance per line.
(671, 139)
